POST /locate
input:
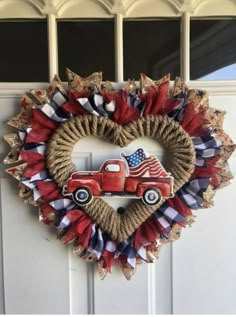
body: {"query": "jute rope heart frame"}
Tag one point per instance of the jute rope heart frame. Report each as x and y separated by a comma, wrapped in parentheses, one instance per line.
(166, 131)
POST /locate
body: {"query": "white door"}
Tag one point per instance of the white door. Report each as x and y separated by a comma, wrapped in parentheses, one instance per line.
(39, 275)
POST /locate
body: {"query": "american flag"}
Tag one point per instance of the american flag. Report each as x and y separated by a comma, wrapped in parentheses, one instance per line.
(142, 165)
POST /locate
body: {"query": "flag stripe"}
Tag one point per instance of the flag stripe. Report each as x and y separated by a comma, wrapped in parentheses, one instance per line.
(140, 167)
(139, 173)
(151, 165)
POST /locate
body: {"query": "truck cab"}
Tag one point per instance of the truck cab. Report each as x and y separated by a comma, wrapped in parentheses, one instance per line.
(113, 176)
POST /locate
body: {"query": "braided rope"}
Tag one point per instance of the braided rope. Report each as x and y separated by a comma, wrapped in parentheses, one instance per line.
(180, 162)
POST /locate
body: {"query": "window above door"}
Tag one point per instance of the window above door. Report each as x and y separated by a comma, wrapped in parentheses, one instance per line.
(194, 39)
(24, 51)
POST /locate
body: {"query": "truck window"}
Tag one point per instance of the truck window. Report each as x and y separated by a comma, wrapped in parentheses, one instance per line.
(112, 168)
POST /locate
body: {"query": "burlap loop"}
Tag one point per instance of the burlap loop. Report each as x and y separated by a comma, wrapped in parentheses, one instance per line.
(180, 162)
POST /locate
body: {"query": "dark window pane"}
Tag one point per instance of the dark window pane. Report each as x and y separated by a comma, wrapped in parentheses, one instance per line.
(151, 47)
(213, 49)
(24, 51)
(86, 47)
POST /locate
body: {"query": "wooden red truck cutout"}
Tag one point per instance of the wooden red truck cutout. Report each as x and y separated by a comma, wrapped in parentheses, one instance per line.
(111, 180)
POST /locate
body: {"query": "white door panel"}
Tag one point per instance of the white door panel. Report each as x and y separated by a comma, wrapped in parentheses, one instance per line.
(35, 265)
(81, 285)
(204, 258)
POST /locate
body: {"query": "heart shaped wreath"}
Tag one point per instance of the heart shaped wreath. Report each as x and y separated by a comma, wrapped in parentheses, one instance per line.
(52, 121)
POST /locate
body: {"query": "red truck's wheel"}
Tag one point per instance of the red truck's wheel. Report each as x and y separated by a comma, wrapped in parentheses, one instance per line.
(151, 196)
(82, 196)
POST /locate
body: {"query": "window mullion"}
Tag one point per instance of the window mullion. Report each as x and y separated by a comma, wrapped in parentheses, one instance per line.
(185, 46)
(119, 60)
(52, 46)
